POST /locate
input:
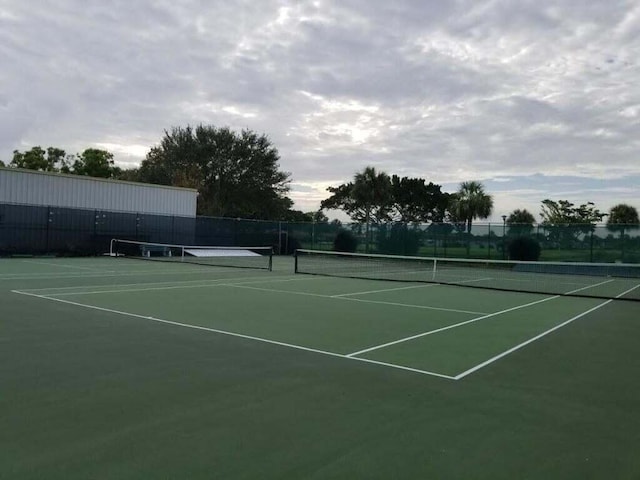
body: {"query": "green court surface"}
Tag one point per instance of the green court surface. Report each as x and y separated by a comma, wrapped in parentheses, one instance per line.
(113, 368)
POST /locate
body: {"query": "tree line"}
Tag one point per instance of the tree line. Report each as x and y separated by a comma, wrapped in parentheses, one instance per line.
(376, 197)
(92, 162)
(237, 174)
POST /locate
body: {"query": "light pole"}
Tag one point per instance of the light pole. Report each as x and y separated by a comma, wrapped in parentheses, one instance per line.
(504, 229)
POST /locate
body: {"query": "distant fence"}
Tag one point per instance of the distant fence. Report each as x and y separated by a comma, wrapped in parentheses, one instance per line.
(26, 229)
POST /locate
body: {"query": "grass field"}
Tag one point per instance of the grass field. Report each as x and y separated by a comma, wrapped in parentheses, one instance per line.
(121, 369)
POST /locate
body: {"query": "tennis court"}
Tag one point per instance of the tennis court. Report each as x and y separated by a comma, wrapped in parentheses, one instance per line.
(120, 368)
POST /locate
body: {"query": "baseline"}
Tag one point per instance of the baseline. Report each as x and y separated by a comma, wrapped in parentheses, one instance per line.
(237, 335)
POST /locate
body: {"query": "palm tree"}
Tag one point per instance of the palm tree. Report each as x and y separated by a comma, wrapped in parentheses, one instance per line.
(372, 192)
(472, 202)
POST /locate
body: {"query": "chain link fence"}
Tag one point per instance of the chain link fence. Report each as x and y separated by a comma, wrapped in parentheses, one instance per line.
(30, 230)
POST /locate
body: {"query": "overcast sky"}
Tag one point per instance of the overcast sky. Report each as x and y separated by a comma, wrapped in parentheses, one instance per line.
(536, 99)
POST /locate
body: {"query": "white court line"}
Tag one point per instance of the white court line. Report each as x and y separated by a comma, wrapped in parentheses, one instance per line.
(233, 283)
(205, 270)
(456, 325)
(409, 305)
(351, 355)
(171, 287)
(537, 337)
(238, 335)
(449, 327)
(531, 340)
(406, 305)
(38, 262)
(424, 285)
(628, 291)
(589, 286)
(148, 284)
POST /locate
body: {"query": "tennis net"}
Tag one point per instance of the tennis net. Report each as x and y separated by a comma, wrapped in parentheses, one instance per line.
(219, 256)
(597, 280)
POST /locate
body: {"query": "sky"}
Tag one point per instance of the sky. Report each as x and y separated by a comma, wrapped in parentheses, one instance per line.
(535, 99)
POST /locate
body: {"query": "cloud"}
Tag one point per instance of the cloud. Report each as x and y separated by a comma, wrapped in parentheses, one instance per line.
(449, 91)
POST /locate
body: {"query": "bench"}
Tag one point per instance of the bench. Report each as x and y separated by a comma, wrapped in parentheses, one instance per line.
(155, 250)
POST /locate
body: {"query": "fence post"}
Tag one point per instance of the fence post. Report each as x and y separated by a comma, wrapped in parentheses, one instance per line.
(435, 241)
(489, 241)
(49, 220)
(236, 222)
(286, 241)
(96, 241)
(445, 245)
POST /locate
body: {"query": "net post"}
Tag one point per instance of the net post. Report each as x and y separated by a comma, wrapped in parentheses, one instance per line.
(271, 259)
(182, 254)
(435, 268)
(295, 261)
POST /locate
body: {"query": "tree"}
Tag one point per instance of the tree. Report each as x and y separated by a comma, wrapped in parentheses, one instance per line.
(565, 212)
(414, 201)
(406, 200)
(92, 162)
(623, 216)
(372, 190)
(306, 217)
(95, 163)
(50, 160)
(2, 164)
(471, 202)
(297, 216)
(520, 222)
(319, 217)
(129, 175)
(565, 222)
(367, 199)
(236, 174)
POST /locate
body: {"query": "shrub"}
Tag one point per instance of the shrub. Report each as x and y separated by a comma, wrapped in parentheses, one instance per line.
(288, 244)
(399, 239)
(524, 248)
(345, 241)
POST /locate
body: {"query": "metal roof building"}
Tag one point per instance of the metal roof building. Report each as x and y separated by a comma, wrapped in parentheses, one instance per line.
(29, 187)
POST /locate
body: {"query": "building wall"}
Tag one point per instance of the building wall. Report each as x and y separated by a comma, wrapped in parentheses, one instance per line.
(74, 191)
